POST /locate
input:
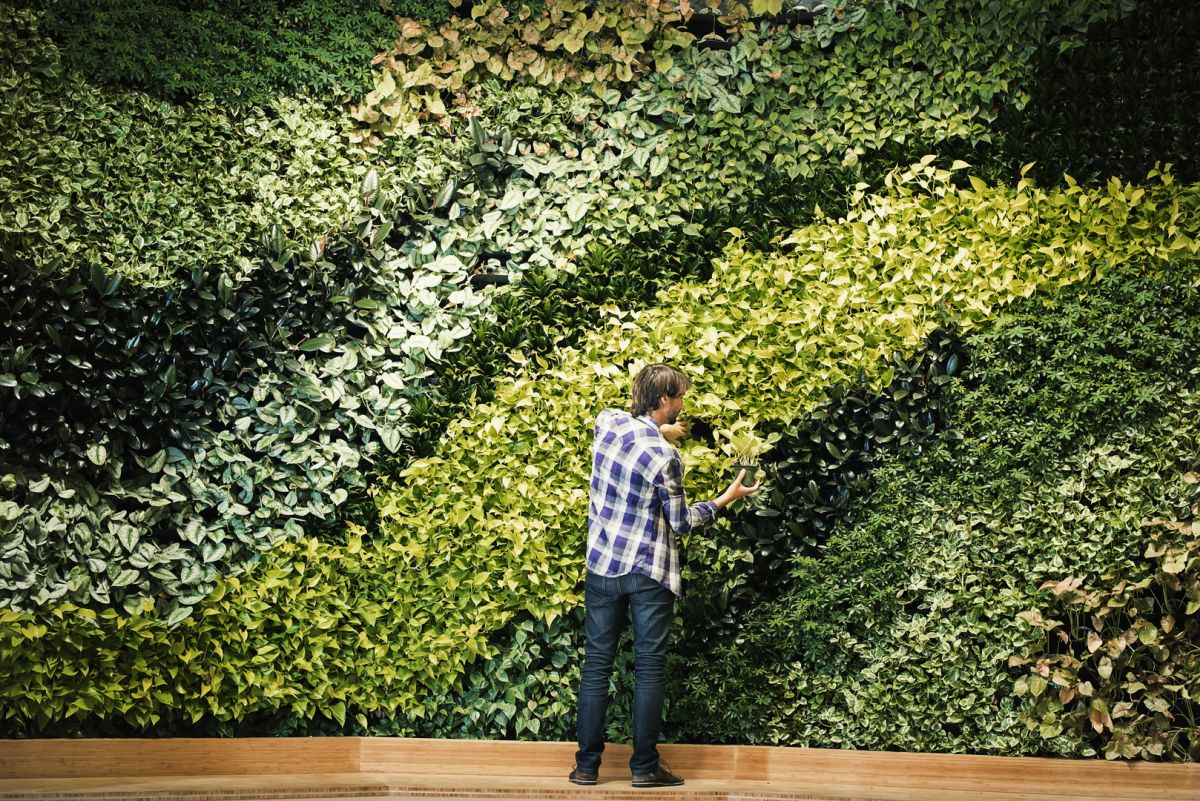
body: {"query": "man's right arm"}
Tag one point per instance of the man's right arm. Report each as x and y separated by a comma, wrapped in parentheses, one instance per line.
(736, 491)
(680, 517)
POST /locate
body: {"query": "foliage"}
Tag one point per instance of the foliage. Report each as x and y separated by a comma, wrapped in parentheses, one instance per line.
(149, 190)
(226, 418)
(568, 190)
(490, 192)
(1114, 105)
(771, 336)
(540, 313)
(1120, 674)
(897, 632)
(548, 309)
(526, 690)
(507, 197)
(468, 543)
(867, 75)
(572, 43)
(709, 613)
(247, 51)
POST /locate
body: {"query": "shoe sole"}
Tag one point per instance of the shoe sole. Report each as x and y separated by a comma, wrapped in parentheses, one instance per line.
(583, 782)
(657, 784)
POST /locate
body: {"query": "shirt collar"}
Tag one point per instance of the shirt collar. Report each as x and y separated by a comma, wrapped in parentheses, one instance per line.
(648, 420)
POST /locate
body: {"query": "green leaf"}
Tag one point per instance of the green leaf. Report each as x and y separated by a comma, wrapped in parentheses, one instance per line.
(97, 454)
(125, 578)
(320, 342)
(577, 207)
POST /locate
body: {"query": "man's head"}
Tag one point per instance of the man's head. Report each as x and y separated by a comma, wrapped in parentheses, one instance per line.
(659, 386)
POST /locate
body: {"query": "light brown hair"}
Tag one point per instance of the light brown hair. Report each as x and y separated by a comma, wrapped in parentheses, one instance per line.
(652, 382)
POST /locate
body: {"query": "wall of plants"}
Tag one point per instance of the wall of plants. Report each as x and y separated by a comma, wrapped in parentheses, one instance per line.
(299, 360)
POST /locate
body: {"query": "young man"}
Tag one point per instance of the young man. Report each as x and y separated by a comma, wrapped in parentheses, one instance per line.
(636, 513)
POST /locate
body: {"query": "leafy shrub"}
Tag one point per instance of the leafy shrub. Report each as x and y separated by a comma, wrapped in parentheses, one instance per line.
(493, 688)
(572, 43)
(153, 483)
(816, 473)
(222, 425)
(1120, 675)
(866, 74)
(528, 442)
(526, 690)
(534, 206)
(546, 208)
(545, 311)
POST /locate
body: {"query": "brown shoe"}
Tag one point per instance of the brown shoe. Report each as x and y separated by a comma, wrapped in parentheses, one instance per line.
(581, 776)
(661, 777)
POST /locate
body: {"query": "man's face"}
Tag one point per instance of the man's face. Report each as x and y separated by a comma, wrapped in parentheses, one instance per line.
(672, 406)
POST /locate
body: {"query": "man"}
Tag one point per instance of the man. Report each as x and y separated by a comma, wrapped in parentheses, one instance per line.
(636, 513)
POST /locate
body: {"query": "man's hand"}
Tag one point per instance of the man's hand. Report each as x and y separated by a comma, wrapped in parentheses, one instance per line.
(674, 432)
(737, 490)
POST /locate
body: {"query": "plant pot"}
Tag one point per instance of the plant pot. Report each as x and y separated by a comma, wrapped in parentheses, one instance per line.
(714, 44)
(802, 12)
(704, 21)
(480, 280)
(751, 472)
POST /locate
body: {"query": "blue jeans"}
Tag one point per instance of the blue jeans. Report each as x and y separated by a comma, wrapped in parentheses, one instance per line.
(653, 609)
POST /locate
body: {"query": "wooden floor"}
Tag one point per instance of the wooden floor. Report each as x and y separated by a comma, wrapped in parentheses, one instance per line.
(361, 768)
(316, 787)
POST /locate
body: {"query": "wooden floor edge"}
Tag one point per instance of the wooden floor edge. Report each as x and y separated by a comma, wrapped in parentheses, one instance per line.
(423, 788)
(254, 769)
(400, 791)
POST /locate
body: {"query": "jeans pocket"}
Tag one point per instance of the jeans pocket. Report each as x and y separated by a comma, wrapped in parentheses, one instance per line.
(599, 590)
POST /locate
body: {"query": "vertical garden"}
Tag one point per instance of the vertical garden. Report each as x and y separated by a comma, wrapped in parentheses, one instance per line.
(306, 310)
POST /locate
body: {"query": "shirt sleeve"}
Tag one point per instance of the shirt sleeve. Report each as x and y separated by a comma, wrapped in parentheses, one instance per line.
(680, 517)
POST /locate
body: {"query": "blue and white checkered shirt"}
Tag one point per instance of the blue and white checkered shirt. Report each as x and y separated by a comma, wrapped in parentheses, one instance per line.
(637, 506)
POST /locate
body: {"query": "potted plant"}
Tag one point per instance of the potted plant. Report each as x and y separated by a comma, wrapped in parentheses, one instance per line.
(748, 461)
(746, 448)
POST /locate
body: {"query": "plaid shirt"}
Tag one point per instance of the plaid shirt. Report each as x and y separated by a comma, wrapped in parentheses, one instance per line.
(637, 505)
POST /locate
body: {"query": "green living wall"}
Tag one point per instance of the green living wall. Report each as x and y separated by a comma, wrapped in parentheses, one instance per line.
(332, 483)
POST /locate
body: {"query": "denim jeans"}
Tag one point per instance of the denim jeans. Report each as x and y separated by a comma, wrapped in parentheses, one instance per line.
(653, 609)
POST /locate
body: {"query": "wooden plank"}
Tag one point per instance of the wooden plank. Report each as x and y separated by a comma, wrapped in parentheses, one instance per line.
(429, 786)
(1098, 778)
(506, 766)
(180, 788)
(472, 757)
(508, 758)
(21, 759)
